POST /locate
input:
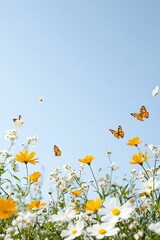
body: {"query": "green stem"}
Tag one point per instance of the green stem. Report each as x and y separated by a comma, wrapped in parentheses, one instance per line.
(94, 178)
(28, 182)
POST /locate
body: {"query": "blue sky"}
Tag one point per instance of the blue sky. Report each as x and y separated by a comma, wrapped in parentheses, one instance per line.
(93, 62)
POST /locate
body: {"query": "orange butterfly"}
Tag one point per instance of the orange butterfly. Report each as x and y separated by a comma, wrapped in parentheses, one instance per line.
(119, 133)
(143, 114)
(57, 151)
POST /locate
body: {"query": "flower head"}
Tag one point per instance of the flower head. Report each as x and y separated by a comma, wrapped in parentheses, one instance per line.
(26, 157)
(113, 211)
(87, 159)
(7, 208)
(134, 141)
(76, 192)
(73, 231)
(155, 227)
(93, 205)
(102, 230)
(139, 158)
(35, 204)
(35, 176)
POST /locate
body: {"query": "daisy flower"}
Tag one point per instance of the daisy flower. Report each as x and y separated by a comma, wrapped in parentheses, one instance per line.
(113, 211)
(73, 231)
(155, 227)
(99, 231)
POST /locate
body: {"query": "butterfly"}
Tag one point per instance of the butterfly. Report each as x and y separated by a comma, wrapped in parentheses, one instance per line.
(119, 133)
(155, 91)
(18, 122)
(57, 151)
(143, 114)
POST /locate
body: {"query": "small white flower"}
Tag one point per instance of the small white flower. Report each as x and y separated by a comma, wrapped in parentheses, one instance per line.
(155, 227)
(73, 231)
(155, 91)
(11, 135)
(63, 216)
(114, 166)
(113, 211)
(150, 185)
(99, 231)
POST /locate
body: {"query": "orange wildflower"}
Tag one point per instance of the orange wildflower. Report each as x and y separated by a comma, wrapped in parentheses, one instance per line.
(35, 176)
(76, 192)
(87, 159)
(139, 158)
(93, 205)
(7, 208)
(26, 157)
(134, 141)
(35, 204)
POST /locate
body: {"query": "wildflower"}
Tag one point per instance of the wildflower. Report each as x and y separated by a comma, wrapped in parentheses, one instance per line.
(150, 185)
(30, 140)
(139, 158)
(87, 159)
(114, 166)
(93, 205)
(11, 135)
(134, 141)
(35, 176)
(155, 227)
(63, 216)
(35, 204)
(7, 208)
(73, 231)
(25, 157)
(76, 192)
(113, 211)
(99, 231)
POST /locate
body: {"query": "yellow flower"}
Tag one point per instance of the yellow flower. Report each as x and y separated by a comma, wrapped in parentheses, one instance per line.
(35, 176)
(35, 204)
(7, 208)
(76, 192)
(93, 205)
(25, 157)
(134, 141)
(87, 159)
(139, 158)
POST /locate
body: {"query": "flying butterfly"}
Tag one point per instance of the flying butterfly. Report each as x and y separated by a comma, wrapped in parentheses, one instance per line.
(57, 151)
(119, 133)
(18, 122)
(143, 114)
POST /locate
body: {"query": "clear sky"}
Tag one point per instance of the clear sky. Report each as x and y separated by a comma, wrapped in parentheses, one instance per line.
(93, 62)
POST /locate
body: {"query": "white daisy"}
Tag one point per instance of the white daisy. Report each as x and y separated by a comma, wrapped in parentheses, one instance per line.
(150, 185)
(63, 216)
(155, 227)
(113, 211)
(73, 231)
(102, 230)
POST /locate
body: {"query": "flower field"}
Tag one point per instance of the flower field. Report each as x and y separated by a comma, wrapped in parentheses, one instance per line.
(128, 211)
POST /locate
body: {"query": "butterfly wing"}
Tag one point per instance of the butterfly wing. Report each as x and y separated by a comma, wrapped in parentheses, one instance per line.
(57, 151)
(120, 132)
(114, 133)
(138, 116)
(143, 112)
(18, 121)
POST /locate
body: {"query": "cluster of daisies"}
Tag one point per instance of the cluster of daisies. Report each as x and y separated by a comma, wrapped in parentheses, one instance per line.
(116, 211)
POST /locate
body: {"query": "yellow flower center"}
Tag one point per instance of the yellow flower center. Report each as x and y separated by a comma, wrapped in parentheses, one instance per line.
(116, 211)
(102, 231)
(74, 232)
(149, 187)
